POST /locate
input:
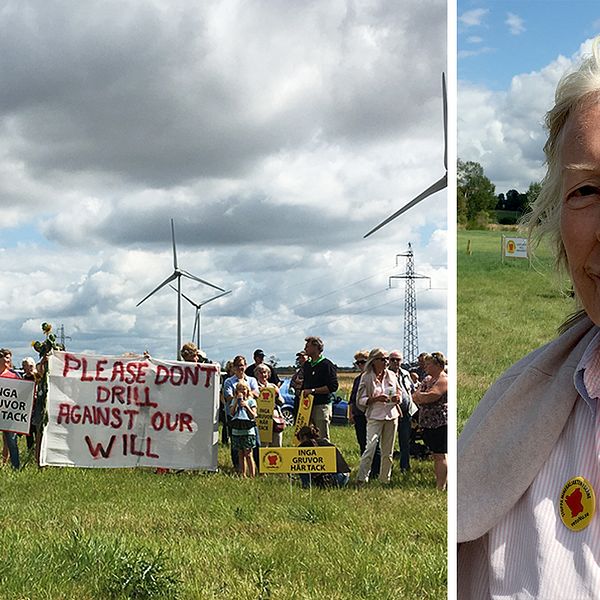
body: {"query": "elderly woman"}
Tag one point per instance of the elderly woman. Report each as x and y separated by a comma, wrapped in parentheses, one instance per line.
(262, 373)
(528, 457)
(358, 417)
(379, 394)
(432, 400)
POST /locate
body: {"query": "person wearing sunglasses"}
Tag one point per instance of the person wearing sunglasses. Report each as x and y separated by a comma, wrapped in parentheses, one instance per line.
(379, 394)
(357, 414)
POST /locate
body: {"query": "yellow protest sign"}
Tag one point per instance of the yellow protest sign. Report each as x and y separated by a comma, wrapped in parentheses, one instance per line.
(265, 405)
(303, 417)
(312, 459)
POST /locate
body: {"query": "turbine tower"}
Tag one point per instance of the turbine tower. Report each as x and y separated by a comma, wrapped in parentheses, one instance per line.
(198, 318)
(410, 348)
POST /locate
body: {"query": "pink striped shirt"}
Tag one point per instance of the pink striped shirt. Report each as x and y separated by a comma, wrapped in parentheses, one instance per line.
(531, 553)
(370, 386)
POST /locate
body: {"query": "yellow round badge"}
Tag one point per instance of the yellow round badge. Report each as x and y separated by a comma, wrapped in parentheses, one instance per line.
(577, 503)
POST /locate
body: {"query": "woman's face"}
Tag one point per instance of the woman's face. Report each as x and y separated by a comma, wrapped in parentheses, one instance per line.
(261, 375)
(28, 367)
(239, 369)
(432, 368)
(380, 364)
(5, 362)
(580, 204)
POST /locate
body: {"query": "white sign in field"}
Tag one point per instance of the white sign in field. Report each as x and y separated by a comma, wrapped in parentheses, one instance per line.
(106, 411)
(514, 247)
(16, 404)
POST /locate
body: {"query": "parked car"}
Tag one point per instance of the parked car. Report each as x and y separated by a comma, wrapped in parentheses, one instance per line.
(340, 406)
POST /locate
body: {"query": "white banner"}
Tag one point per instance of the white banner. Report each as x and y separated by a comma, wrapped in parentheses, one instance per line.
(16, 404)
(515, 247)
(107, 411)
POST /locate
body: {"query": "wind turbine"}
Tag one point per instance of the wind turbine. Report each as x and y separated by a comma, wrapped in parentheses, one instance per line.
(440, 184)
(198, 307)
(178, 274)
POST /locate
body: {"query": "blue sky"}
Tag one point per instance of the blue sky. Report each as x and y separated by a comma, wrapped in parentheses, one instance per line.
(511, 56)
(499, 39)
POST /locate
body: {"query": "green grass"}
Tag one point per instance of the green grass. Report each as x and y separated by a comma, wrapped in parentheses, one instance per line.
(102, 534)
(503, 312)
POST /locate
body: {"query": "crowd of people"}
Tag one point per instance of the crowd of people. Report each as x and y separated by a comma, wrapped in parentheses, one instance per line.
(386, 402)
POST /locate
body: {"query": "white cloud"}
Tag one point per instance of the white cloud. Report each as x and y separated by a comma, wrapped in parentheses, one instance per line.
(515, 24)
(275, 135)
(472, 18)
(478, 52)
(503, 130)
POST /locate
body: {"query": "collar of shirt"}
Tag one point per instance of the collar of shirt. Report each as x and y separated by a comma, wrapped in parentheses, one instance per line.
(10, 374)
(587, 373)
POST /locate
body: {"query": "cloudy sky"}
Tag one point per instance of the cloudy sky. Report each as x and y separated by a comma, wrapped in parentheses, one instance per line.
(511, 55)
(275, 134)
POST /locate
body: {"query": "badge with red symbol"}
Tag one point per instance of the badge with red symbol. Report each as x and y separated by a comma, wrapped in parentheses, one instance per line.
(577, 503)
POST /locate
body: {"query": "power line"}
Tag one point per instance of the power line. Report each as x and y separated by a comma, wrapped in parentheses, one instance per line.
(301, 320)
(311, 300)
(300, 325)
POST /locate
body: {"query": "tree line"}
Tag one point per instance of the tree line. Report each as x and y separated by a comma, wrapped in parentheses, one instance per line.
(477, 201)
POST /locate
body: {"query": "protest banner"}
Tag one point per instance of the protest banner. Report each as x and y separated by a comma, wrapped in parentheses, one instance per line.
(108, 411)
(16, 404)
(313, 459)
(265, 405)
(303, 417)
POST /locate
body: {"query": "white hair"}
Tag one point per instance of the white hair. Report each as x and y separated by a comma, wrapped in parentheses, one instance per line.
(573, 90)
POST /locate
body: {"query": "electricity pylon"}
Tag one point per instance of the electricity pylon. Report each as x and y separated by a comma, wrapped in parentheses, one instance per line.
(62, 337)
(410, 348)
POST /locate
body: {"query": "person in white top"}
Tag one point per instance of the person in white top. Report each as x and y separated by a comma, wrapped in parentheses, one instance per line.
(379, 394)
(528, 470)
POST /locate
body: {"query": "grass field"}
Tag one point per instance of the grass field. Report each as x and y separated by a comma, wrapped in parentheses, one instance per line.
(116, 534)
(504, 312)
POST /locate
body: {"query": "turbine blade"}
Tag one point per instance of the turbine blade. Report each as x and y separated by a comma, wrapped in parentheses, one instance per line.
(189, 300)
(215, 298)
(184, 296)
(167, 280)
(174, 248)
(432, 189)
(445, 105)
(190, 276)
